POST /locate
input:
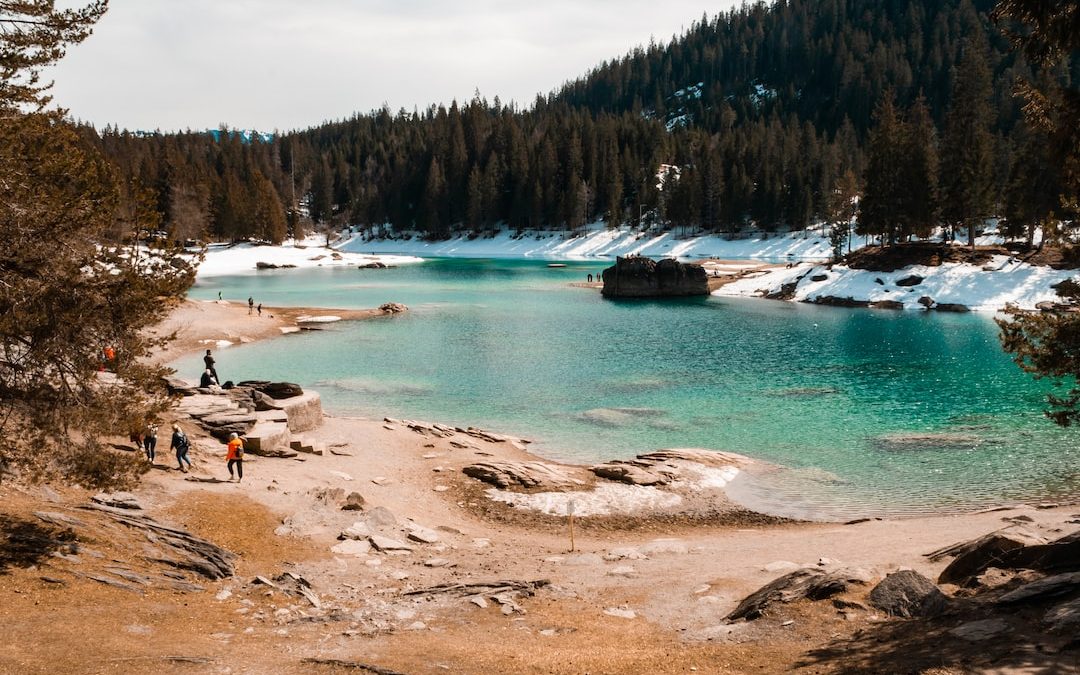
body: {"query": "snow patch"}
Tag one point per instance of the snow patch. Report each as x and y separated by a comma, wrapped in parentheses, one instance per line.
(311, 252)
(598, 241)
(605, 499)
(981, 288)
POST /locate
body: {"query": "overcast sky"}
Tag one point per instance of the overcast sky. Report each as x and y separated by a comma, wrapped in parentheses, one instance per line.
(287, 64)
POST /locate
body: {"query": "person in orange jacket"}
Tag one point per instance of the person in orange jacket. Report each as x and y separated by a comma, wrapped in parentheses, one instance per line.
(235, 456)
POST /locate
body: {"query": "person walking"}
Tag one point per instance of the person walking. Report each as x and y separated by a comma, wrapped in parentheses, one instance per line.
(251, 304)
(150, 440)
(235, 456)
(181, 445)
(259, 309)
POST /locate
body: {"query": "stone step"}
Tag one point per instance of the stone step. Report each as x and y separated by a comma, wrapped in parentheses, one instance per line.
(269, 439)
(306, 446)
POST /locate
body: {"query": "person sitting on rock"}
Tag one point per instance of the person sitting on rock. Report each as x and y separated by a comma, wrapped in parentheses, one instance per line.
(207, 379)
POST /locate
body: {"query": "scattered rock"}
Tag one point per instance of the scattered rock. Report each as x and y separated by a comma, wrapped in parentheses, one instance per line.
(438, 562)
(393, 308)
(620, 612)
(341, 474)
(275, 390)
(811, 582)
(819, 277)
(422, 534)
(976, 556)
(479, 601)
(1048, 587)
(386, 544)
(353, 502)
(1065, 618)
(380, 516)
(119, 500)
(353, 547)
(951, 307)
(908, 594)
(980, 631)
(886, 304)
(910, 280)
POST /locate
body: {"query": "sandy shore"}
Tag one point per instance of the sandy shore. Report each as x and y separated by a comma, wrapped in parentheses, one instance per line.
(212, 324)
(639, 596)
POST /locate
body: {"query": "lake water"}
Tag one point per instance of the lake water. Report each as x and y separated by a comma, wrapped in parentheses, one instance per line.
(869, 412)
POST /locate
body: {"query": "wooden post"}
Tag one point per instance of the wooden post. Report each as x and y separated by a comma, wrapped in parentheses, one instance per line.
(570, 511)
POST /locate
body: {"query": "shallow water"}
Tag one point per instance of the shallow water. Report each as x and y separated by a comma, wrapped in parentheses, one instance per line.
(870, 411)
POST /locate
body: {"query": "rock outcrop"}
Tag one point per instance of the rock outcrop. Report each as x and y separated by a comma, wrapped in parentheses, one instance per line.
(638, 277)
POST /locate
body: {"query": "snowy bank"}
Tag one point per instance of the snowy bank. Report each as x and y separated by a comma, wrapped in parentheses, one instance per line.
(310, 252)
(600, 242)
(981, 288)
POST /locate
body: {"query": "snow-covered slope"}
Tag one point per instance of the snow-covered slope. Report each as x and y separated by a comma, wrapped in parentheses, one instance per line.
(600, 242)
(982, 288)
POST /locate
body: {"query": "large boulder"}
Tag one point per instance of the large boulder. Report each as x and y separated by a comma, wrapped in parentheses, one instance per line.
(275, 390)
(639, 277)
(975, 557)
(305, 411)
(908, 594)
(811, 583)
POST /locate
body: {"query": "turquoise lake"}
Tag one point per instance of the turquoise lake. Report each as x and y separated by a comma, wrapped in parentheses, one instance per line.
(869, 412)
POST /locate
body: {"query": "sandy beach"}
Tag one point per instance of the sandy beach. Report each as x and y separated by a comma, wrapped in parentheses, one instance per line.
(643, 594)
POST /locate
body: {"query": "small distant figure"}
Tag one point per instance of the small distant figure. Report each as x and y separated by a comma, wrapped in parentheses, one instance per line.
(207, 379)
(109, 358)
(181, 445)
(219, 295)
(590, 277)
(259, 309)
(150, 440)
(209, 361)
(235, 457)
(251, 304)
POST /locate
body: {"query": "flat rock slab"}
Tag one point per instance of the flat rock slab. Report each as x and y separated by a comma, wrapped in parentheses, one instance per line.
(1065, 618)
(386, 544)
(423, 535)
(1043, 589)
(352, 547)
(980, 631)
(524, 474)
(119, 500)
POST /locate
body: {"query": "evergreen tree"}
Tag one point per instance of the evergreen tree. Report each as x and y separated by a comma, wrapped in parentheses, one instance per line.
(920, 166)
(66, 292)
(881, 212)
(967, 153)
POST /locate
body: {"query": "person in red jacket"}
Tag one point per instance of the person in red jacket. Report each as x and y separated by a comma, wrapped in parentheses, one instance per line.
(235, 456)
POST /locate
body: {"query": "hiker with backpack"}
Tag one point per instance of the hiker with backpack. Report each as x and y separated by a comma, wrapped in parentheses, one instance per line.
(181, 445)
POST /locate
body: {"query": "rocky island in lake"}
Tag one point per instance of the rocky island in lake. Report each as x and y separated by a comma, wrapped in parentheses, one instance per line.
(640, 277)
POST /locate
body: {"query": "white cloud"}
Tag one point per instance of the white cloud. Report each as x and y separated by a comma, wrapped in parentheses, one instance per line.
(286, 64)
